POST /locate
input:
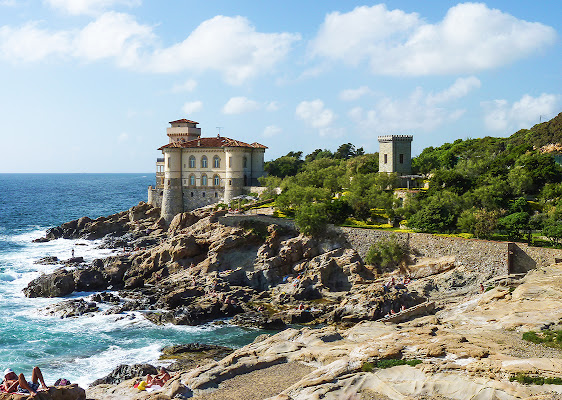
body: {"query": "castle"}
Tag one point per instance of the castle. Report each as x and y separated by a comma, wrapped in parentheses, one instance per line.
(395, 154)
(196, 171)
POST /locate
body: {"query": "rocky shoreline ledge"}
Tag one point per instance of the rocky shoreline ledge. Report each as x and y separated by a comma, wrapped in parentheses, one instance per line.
(268, 276)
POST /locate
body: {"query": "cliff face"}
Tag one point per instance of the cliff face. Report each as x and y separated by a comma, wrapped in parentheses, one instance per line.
(198, 269)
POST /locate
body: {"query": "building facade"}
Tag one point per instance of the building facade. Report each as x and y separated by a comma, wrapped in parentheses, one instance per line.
(196, 171)
(395, 154)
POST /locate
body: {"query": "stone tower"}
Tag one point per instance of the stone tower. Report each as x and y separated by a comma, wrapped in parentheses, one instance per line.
(395, 154)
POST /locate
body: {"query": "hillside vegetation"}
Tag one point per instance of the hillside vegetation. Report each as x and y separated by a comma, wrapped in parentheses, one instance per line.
(489, 187)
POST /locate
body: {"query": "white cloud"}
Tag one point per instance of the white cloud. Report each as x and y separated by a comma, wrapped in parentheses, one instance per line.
(272, 130)
(272, 106)
(471, 37)
(500, 116)
(187, 86)
(354, 94)
(239, 105)
(417, 112)
(229, 45)
(31, 43)
(8, 3)
(192, 107)
(124, 137)
(115, 35)
(314, 114)
(460, 88)
(77, 7)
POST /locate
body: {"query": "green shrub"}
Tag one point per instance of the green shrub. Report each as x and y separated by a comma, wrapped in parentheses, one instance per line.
(531, 337)
(535, 380)
(311, 219)
(382, 364)
(386, 253)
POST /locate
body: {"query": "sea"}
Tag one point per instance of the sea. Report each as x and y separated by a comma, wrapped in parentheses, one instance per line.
(84, 348)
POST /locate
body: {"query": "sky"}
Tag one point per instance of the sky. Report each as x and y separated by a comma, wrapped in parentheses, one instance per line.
(90, 85)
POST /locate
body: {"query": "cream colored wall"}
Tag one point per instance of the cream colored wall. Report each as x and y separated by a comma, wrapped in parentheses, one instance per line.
(210, 171)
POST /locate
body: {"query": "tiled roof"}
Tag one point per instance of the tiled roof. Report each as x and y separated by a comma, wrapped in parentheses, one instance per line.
(183, 120)
(212, 142)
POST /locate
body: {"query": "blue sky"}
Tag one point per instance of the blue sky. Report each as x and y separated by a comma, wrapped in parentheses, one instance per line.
(90, 85)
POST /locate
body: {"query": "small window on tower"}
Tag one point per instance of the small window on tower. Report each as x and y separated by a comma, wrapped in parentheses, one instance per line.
(401, 158)
(386, 158)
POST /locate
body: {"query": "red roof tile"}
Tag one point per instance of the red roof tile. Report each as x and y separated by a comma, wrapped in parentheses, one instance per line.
(183, 120)
(212, 142)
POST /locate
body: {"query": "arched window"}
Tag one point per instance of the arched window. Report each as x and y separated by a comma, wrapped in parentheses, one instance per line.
(216, 180)
(204, 180)
(192, 162)
(245, 162)
(191, 180)
(216, 162)
(204, 162)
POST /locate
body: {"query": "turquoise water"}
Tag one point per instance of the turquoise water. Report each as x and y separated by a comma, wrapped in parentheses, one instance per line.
(85, 348)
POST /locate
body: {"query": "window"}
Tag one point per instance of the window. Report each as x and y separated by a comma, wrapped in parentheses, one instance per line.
(245, 162)
(216, 162)
(204, 162)
(168, 161)
(204, 180)
(216, 194)
(386, 158)
(192, 162)
(216, 180)
(401, 158)
(192, 180)
(191, 194)
(203, 194)
(229, 162)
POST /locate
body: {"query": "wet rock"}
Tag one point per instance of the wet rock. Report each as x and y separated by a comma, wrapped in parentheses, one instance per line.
(124, 372)
(256, 319)
(48, 260)
(59, 283)
(72, 308)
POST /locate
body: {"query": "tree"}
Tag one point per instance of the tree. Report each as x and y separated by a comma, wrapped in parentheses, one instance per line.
(438, 213)
(515, 225)
(311, 219)
(288, 165)
(338, 210)
(346, 151)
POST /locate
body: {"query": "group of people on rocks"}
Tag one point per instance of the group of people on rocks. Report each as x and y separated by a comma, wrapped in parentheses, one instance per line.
(14, 383)
(393, 283)
(155, 382)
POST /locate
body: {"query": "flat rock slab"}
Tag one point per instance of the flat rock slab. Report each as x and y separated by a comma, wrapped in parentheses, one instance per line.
(259, 384)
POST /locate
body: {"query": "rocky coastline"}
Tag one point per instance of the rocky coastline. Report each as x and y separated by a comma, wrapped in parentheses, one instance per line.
(269, 276)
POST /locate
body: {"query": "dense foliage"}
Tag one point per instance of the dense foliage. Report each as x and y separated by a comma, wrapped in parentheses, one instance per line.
(486, 187)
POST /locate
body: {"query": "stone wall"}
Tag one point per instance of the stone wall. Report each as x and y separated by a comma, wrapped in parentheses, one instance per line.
(199, 197)
(235, 220)
(155, 196)
(524, 257)
(488, 257)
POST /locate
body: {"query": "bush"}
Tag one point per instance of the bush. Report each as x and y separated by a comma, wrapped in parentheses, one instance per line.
(387, 253)
(382, 364)
(311, 219)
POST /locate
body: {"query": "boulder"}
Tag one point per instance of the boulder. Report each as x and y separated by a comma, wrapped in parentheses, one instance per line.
(88, 280)
(69, 392)
(59, 283)
(124, 372)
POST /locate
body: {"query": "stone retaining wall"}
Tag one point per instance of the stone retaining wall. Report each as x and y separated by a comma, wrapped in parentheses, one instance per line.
(485, 256)
(488, 257)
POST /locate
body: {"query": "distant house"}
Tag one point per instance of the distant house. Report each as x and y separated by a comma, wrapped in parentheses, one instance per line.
(196, 171)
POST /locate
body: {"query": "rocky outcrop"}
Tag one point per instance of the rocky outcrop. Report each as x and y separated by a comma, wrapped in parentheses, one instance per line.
(70, 392)
(138, 218)
(125, 372)
(59, 283)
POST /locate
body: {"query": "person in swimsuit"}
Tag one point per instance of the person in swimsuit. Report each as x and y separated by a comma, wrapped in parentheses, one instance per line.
(14, 383)
(159, 379)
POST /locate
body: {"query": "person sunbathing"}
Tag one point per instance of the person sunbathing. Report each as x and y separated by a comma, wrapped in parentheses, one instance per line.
(159, 379)
(14, 383)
